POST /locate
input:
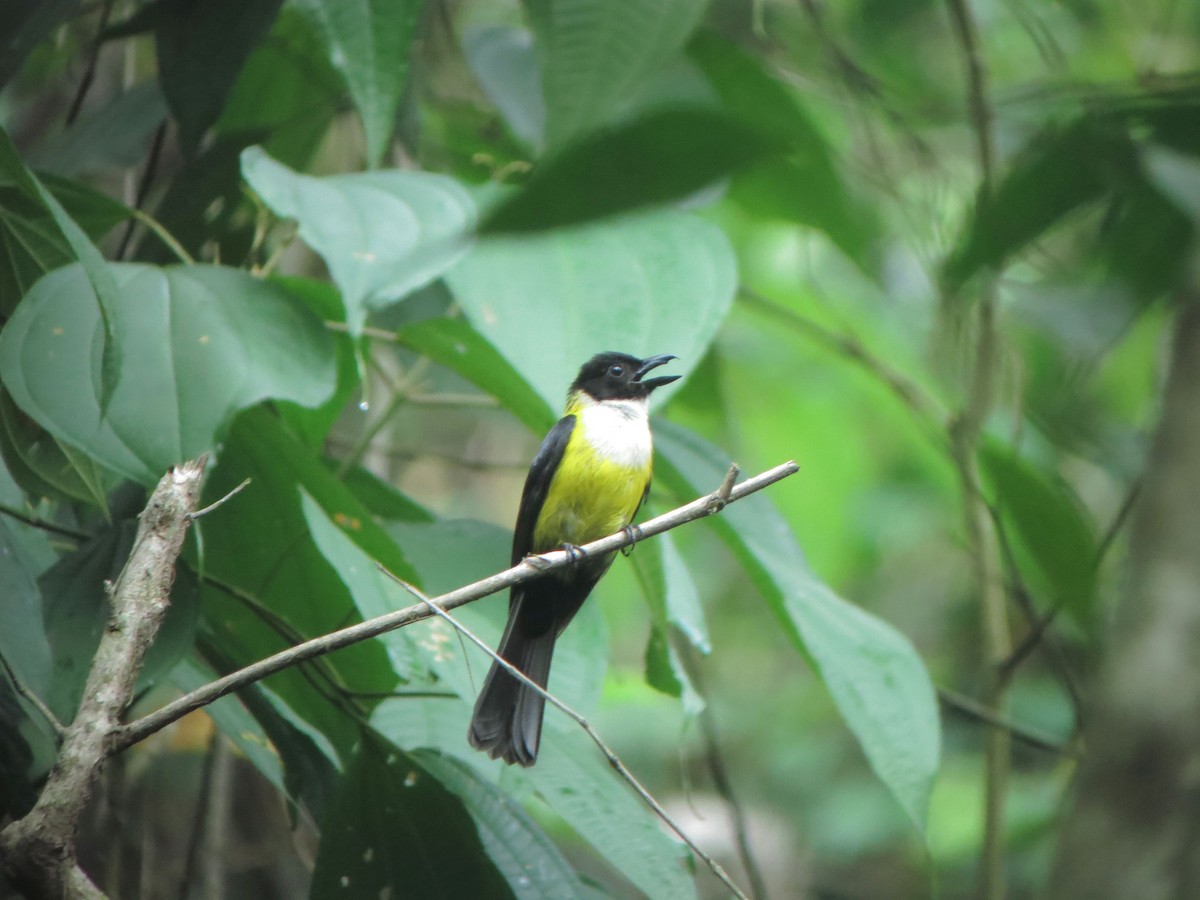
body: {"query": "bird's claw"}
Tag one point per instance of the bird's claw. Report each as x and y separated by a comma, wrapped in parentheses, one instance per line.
(574, 551)
(634, 533)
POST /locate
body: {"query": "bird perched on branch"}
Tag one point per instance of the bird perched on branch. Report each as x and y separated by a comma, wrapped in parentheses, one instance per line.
(588, 480)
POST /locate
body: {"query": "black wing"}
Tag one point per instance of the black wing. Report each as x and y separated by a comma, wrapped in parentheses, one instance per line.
(537, 485)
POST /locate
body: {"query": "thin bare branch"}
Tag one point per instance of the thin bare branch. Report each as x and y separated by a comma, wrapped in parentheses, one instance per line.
(529, 568)
(217, 504)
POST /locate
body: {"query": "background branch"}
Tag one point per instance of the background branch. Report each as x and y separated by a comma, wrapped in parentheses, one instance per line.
(38, 851)
(529, 568)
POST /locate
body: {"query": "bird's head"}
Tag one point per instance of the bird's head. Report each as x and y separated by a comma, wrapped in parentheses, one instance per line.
(619, 376)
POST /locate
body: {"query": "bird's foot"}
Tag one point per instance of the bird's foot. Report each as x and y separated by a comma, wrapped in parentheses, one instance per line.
(574, 551)
(634, 533)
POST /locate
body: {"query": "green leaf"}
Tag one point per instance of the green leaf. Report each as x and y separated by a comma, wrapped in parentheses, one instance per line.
(373, 592)
(578, 784)
(287, 92)
(101, 286)
(454, 344)
(872, 672)
(100, 140)
(528, 860)
(200, 49)
(260, 542)
(25, 26)
(369, 42)
(394, 830)
(505, 66)
(658, 283)
(670, 591)
(801, 183)
(596, 54)
(1058, 171)
(45, 467)
(1053, 533)
(215, 340)
(382, 234)
(666, 154)
(25, 553)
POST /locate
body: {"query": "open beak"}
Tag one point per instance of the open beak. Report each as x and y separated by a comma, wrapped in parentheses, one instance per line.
(653, 362)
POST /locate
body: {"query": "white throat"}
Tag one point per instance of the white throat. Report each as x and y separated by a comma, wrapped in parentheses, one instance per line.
(617, 430)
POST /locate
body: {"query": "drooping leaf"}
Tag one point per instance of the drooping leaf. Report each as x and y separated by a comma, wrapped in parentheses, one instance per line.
(25, 553)
(873, 673)
(43, 466)
(667, 154)
(657, 283)
(382, 234)
(596, 54)
(533, 867)
(393, 830)
(215, 340)
(369, 42)
(1051, 529)
(201, 47)
(101, 285)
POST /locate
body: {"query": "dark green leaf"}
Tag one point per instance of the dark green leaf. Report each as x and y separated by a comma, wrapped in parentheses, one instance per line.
(533, 867)
(382, 234)
(215, 340)
(1059, 171)
(1048, 521)
(42, 465)
(23, 25)
(655, 283)
(872, 672)
(394, 830)
(201, 47)
(382, 499)
(369, 42)
(25, 554)
(665, 155)
(100, 140)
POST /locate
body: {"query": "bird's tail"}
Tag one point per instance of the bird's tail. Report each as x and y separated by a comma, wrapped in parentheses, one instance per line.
(507, 721)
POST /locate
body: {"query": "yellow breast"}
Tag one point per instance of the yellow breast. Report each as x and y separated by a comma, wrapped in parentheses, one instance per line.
(600, 480)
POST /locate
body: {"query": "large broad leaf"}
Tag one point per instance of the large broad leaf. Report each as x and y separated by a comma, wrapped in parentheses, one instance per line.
(212, 340)
(872, 672)
(24, 554)
(45, 467)
(596, 54)
(1050, 528)
(382, 234)
(394, 831)
(369, 41)
(201, 47)
(659, 283)
(801, 183)
(665, 155)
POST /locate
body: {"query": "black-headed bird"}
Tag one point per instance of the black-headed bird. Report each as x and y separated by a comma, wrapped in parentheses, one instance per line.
(588, 480)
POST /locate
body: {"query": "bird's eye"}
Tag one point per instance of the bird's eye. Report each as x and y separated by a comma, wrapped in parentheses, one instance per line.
(616, 371)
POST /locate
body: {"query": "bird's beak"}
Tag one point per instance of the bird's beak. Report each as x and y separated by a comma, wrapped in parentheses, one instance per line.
(653, 362)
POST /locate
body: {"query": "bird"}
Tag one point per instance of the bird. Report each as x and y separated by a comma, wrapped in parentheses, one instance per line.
(588, 480)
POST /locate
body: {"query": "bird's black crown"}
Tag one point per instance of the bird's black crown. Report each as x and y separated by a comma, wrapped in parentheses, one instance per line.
(619, 376)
